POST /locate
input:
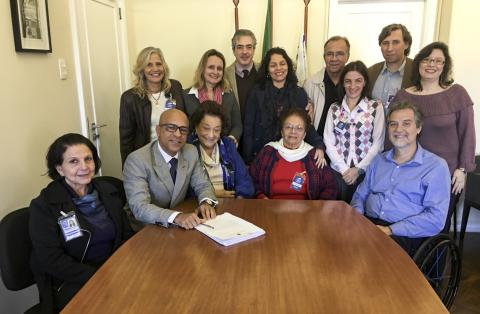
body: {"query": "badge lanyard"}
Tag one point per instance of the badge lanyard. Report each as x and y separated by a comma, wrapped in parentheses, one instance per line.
(69, 226)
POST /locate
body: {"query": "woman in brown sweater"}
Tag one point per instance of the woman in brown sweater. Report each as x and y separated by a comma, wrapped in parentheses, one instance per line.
(448, 129)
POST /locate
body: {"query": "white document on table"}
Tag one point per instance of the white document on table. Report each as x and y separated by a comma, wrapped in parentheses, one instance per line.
(229, 229)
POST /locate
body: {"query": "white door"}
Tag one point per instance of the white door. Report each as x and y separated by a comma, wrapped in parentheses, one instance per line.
(362, 21)
(101, 59)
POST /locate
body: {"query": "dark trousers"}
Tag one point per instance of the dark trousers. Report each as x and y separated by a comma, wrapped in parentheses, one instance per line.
(345, 191)
(409, 245)
(63, 295)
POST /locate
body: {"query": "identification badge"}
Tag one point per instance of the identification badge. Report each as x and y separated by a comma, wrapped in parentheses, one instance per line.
(389, 100)
(170, 103)
(340, 127)
(298, 181)
(70, 226)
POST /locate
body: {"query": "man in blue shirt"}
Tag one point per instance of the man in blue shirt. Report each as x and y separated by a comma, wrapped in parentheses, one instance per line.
(406, 190)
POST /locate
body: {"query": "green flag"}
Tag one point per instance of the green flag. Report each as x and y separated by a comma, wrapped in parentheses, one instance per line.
(267, 34)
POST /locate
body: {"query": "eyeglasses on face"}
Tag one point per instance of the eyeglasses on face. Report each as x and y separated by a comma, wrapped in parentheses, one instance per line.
(172, 128)
(338, 54)
(297, 128)
(429, 61)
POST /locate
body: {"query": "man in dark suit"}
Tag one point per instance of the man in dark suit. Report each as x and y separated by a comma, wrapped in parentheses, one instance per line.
(389, 76)
(242, 73)
(157, 176)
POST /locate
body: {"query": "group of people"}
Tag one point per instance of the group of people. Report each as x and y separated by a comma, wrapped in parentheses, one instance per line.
(249, 131)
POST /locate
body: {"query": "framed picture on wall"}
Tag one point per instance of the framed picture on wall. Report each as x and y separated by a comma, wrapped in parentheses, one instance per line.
(31, 28)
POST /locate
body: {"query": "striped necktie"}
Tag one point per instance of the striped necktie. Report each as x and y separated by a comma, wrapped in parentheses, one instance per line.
(173, 168)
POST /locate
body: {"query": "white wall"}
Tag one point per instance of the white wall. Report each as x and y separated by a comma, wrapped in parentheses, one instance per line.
(464, 48)
(184, 29)
(36, 108)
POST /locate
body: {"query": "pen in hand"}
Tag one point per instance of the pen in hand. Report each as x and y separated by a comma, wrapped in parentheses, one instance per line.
(207, 225)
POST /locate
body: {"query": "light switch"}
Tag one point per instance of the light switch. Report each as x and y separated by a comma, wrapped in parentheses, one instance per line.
(62, 69)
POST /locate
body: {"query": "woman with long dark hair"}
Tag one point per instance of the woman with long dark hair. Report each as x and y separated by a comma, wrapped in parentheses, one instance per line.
(275, 93)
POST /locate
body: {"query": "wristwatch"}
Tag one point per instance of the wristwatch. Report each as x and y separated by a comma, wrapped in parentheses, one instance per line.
(210, 202)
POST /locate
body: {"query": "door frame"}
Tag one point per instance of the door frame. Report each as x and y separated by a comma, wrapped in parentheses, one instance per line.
(431, 20)
(82, 60)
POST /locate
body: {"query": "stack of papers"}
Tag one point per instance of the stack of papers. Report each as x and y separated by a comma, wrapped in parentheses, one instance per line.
(229, 229)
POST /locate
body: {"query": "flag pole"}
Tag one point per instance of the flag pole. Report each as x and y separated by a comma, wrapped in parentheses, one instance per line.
(305, 20)
(271, 21)
(268, 31)
(235, 2)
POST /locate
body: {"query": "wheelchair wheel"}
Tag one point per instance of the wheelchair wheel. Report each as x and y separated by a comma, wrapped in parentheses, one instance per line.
(439, 260)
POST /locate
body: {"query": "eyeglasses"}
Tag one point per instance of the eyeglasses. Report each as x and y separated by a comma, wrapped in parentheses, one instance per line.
(429, 61)
(338, 54)
(292, 128)
(172, 128)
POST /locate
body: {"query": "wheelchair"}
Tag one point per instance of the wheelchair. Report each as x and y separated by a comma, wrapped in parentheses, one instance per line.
(439, 259)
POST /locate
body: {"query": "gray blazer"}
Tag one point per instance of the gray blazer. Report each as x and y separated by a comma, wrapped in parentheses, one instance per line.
(149, 186)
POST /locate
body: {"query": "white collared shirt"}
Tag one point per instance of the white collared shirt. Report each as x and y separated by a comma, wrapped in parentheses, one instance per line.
(362, 128)
(194, 91)
(240, 68)
(165, 155)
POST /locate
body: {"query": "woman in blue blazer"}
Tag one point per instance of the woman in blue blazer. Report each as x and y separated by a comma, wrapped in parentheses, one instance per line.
(219, 154)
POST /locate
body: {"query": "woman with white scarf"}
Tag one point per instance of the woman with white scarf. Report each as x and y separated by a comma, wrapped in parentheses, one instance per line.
(285, 169)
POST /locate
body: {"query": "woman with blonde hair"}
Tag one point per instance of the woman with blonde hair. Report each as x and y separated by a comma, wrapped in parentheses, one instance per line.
(209, 83)
(141, 106)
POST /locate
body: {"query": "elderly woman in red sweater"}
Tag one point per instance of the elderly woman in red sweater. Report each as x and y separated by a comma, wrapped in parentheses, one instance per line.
(285, 169)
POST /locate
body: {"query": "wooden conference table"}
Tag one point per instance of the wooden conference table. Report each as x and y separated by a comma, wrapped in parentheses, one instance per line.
(316, 257)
